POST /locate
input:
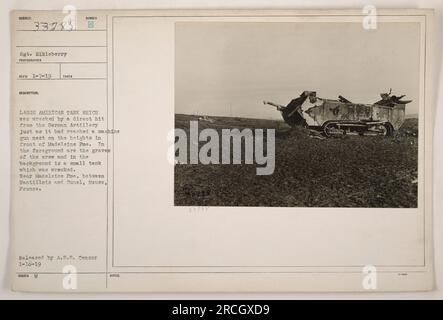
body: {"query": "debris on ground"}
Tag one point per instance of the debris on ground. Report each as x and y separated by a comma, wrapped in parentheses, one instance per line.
(206, 118)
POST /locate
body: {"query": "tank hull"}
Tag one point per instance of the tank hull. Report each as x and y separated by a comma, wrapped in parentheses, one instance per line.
(330, 110)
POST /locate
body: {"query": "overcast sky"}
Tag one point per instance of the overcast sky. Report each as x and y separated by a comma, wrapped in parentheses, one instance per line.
(229, 68)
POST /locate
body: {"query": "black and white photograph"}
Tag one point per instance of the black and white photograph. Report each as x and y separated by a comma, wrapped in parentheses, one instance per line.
(328, 111)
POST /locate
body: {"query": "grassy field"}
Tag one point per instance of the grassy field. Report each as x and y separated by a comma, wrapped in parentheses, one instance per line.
(349, 171)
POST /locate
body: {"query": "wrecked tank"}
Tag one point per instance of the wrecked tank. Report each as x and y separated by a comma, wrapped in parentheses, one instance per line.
(341, 116)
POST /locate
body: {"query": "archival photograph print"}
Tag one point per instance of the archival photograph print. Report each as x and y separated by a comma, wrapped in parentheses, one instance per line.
(296, 114)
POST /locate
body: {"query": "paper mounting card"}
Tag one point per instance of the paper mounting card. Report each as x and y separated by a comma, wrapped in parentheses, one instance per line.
(236, 151)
